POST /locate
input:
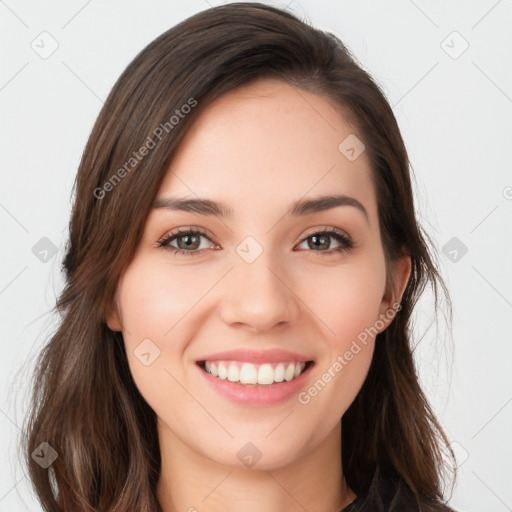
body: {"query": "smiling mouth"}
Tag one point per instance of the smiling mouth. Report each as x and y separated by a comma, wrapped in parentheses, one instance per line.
(248, 374)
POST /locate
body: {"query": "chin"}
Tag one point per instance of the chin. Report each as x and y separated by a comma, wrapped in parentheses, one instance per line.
(256, 454)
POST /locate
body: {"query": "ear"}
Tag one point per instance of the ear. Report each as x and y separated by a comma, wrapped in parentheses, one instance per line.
(114, 317)
(398, 274)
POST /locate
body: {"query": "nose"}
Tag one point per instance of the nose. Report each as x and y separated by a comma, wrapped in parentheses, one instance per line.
(258, 296)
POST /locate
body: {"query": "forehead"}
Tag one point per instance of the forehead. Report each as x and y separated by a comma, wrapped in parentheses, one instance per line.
(264, 145)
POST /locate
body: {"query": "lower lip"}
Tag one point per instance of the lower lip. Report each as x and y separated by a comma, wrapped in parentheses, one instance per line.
(253, 394)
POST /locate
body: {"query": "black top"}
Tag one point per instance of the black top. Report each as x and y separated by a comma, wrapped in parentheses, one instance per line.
(386, 495)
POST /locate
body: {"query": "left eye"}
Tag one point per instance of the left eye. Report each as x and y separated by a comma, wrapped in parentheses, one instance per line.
(189, 241)
(322, 239)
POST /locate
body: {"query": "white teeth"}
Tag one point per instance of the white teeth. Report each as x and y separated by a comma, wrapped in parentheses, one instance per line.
(290, 372)
(223, 372)
(248, 373)
(265, 374)
(279, 373)
(233, 373)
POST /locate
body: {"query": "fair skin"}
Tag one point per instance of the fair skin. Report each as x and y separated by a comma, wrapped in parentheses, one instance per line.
(257, 149)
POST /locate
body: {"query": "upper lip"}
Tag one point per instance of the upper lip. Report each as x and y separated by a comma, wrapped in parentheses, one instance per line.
(256, 356)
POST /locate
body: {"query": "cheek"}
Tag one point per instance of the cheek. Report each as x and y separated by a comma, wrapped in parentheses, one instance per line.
(346, 299)
(348, 307)
(155, 302)
(156, 298)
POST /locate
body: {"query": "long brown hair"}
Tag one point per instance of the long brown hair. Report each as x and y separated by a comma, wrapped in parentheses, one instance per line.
(85, 404)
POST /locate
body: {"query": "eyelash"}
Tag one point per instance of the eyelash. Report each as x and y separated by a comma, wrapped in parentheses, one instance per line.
(346, 242)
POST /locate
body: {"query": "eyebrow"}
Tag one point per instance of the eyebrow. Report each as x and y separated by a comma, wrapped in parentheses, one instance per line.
(298, 208)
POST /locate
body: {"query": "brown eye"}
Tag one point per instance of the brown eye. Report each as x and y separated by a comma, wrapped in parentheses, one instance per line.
(188, 242)
(322, 241)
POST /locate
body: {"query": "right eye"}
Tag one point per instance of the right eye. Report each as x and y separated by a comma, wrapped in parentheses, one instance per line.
(188, 240)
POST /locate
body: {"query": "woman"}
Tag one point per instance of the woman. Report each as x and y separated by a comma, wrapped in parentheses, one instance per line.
(242, 267)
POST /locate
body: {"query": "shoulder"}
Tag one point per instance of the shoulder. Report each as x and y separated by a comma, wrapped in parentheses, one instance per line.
(391, 495)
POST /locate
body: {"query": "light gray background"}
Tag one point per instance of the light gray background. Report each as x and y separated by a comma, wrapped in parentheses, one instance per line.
(455, 115)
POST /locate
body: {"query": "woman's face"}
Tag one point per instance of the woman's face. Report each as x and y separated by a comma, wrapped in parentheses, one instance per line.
(260, 280)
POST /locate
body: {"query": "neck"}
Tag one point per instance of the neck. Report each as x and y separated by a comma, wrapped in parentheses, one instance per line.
(191, 482)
